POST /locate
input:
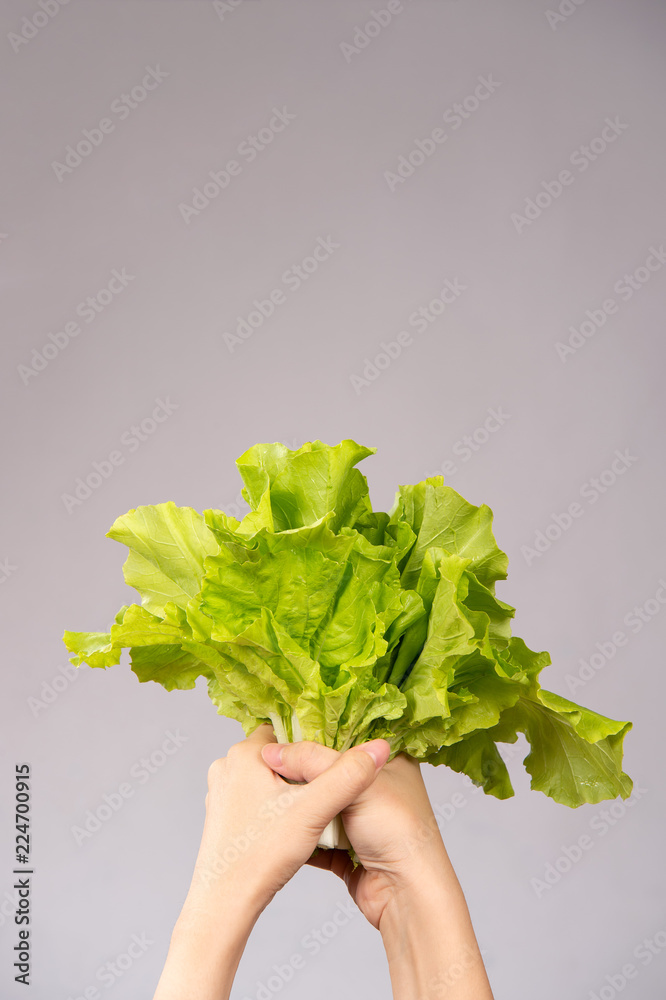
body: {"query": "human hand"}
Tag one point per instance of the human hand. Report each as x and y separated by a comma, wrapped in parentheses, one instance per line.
(259, 830)
(390, 825)
(405, 884)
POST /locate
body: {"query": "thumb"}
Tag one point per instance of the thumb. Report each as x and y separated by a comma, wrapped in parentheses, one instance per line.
(341, 783)
(302, 761)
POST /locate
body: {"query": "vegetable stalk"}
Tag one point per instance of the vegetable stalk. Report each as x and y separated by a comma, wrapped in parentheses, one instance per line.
(333, 836)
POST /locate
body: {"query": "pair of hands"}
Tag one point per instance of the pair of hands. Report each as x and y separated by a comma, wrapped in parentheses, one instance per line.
(260, 829)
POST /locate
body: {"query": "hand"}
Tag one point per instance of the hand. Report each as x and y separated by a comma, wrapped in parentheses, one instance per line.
(405, 884)
(390, 825)
(259, 830)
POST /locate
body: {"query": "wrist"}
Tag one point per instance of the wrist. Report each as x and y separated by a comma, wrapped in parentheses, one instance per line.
(423, 862)
(229, 900)
(206, 946)
(225, 877)
(429, 941)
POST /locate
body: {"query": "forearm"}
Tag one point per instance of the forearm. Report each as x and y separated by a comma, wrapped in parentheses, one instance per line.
(430, 943)
(206, 946)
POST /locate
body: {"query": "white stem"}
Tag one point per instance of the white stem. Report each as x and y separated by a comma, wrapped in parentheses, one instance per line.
(334, 835)
(278, 727)
(296, 728)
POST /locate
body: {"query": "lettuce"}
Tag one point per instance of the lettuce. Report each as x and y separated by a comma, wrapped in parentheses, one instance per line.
(339, 624)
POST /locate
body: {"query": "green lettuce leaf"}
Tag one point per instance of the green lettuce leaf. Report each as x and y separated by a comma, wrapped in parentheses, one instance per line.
(575, 756)
(337, 623)
(168, 545)
(441, 517)
(477, 756)
(306, 484)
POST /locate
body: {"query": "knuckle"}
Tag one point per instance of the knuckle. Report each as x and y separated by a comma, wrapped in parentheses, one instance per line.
(310, 759)
(236, 752)
(359, 767)
(297, 754)
(216, 773)
(307, 752)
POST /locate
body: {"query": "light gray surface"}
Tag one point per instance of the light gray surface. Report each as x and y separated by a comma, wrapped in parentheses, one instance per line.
(495, 346)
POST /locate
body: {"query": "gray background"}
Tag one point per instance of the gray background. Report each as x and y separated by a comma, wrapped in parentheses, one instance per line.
(495, 346)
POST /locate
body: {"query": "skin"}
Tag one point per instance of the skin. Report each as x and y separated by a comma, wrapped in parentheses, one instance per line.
(260, 829)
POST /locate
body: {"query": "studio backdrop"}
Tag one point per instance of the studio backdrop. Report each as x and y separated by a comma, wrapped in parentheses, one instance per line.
(437, 228)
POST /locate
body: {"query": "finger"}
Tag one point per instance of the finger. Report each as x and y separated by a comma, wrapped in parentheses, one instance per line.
(341, 783)
(301, 761)
(262, 735)
(335, 861)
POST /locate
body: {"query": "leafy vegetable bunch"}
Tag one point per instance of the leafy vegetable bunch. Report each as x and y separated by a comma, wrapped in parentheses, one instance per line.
(339, 624)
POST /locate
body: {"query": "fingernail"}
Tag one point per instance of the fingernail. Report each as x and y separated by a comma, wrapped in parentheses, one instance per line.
(272, 754)
(377, 750)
